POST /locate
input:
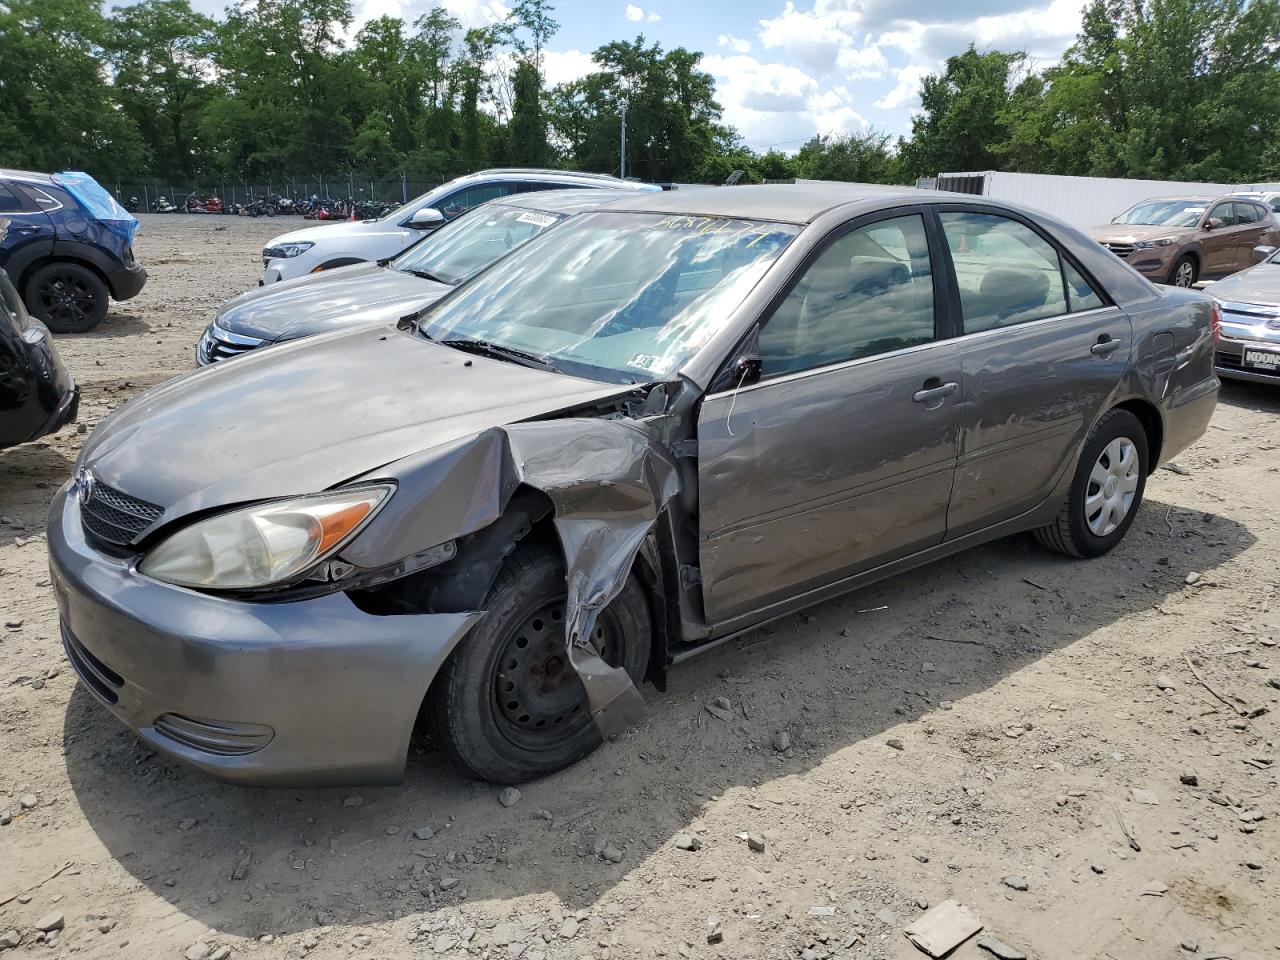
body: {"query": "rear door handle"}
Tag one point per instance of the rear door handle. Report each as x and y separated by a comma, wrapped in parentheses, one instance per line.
(929, 394)
(1105, 346)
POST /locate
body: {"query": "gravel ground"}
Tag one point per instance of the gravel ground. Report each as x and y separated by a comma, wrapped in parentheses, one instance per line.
(991, 729)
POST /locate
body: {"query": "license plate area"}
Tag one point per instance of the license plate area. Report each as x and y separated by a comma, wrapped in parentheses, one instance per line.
(1261, 358)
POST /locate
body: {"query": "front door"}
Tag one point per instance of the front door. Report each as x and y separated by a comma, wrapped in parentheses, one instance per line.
(1041, 352)
(841, 456)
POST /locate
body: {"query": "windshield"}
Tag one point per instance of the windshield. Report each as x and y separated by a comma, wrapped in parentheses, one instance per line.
(472, 242)
(1165, 213)
(616, 295)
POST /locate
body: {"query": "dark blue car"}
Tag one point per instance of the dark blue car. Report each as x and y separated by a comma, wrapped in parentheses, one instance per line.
(67, 247)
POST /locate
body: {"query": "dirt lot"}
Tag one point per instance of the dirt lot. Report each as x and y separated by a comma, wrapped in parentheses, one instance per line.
(993, 717)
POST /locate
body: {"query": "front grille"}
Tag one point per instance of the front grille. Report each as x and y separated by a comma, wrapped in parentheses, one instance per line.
(1121, 250)
(213, 736)
(93, 673)
(218, 344)
(1251, 314)
(115, 517)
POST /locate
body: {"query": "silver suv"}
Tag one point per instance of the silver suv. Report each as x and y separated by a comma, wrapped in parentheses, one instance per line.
(313, 249)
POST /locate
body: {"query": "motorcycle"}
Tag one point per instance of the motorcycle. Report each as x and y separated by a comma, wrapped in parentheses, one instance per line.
(194, 204)
(132, 204)
(162, 205)
(261, 207)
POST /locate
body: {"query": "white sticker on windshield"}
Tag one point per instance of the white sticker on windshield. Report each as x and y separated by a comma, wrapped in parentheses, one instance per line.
(643, 361)
(537, 219)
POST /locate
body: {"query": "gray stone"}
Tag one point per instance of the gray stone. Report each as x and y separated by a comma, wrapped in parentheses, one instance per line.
(10, 939)
(755, 842)
(887, 917)
(1162, 683)
(444, 943)
(1017, 883)
(1191, 946)
(28, 801)
(198, 951)
(781, 741)
(895, 743)
(688, 841)
(1001, 949)
(352, 801)
(392, 830)
(51, 921)
(448, 883)
(721, 709)
(509, 797)
(423, 833)
(611, 853)
(569, 928)
(6, 816)
(505, 933)
(715, 933)
(222, 953)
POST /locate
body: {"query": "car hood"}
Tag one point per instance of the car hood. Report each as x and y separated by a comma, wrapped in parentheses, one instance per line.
(1258, 284)
(305, 416)
(1129, 232)
(341, 229)
(320, 302)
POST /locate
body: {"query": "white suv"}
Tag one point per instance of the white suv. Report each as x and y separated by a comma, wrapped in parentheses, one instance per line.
(342, 243)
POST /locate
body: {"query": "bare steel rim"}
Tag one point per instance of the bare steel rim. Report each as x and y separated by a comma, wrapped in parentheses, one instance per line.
(1185, 274)
(1113, 484)
(539, 696)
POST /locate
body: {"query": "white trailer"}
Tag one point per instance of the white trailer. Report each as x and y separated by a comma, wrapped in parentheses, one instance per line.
(1083, 202)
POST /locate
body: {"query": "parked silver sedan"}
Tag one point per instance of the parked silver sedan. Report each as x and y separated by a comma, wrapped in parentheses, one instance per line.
(1249, 348)
(649, 429)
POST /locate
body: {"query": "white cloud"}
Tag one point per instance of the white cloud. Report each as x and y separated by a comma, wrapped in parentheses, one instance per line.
(907, 91)
(862, 63)
(562, 66)
(476, 13)
(636, 14)
(736, 44)
(813, 37)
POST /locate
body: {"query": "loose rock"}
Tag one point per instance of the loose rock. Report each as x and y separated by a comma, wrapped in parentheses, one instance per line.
(714, 932)
(755, 842)
(688, 841)
(895, 743)
(781, 741)
(509, 797)
(942, 929)
(1000, 949)
(198, 951)
(1017, 883)
(51, 921)
(10, 939)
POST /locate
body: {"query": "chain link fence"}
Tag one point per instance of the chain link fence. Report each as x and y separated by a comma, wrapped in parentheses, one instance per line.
(148, 194)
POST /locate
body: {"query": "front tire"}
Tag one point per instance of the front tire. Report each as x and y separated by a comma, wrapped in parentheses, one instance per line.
(1184, 273)
(507, 705)
(67, 297)
(1106, 491)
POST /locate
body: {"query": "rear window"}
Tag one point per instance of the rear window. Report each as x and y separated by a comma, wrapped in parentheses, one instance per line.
(10, 202)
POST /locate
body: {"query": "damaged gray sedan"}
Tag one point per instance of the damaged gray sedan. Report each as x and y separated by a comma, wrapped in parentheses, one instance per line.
(644, 432)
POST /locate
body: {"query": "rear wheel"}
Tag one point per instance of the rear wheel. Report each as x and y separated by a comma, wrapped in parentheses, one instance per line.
(508, 704)
(1184, 272)
(1106, 491)
(68, 297)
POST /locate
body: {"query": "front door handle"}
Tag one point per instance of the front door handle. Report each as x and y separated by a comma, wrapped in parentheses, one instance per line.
(931, 393)
(1106, 346)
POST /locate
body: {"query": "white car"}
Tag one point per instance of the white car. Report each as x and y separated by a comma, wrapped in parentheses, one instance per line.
(1270, 198)
(343, 243)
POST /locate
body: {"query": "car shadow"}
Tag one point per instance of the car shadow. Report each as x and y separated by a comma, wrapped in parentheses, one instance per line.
(117, 323)
(1254, 396)
(30, 474)
(250, 861)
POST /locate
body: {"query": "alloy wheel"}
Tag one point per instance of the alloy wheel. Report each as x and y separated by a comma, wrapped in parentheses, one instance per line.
(1113, 483)
(1185, 275)
(66, 298)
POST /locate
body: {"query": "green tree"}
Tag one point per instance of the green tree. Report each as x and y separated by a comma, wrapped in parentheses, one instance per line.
(159, 53)
(857, 158)
(56, 109)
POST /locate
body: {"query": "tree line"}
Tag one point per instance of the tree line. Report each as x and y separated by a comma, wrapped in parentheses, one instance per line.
(1163, 89)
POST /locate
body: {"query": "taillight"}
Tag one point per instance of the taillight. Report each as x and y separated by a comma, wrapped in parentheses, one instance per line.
(1216, 323)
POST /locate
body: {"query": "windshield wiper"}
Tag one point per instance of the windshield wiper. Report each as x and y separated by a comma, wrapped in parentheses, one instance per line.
(488, 348)
(425, 275)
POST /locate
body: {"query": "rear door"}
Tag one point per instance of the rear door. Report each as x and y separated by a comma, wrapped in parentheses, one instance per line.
(841, 456)
(1220, 243)
(26, 232)
(1252, 230)
(1041, 352)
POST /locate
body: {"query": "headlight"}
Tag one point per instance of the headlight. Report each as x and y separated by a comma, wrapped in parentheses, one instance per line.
(265, 544)
(1144, 244)
(286, 250)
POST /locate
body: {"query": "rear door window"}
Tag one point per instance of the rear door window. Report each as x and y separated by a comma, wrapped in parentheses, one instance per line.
(10, 202)
(1247, 213)
(468, 198)
(1007, 273)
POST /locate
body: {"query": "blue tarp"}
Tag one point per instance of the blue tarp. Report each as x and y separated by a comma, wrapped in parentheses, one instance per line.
(98, 203)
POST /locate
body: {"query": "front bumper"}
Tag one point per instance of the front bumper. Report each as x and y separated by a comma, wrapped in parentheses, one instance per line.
(312, 692)
(286, 268)
(219, 344)
(1236, 338)
(127, 282)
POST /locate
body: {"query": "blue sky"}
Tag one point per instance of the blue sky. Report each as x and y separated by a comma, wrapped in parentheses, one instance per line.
(786, 69)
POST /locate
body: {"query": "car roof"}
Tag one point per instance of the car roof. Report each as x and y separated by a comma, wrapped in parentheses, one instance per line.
(784, 202)
(554, 176)
(561, 201)
(29, 176)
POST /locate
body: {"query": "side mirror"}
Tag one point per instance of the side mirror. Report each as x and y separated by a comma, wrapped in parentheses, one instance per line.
(428, 218)
(747, 370)
(1213, 223)
(1261, 252)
